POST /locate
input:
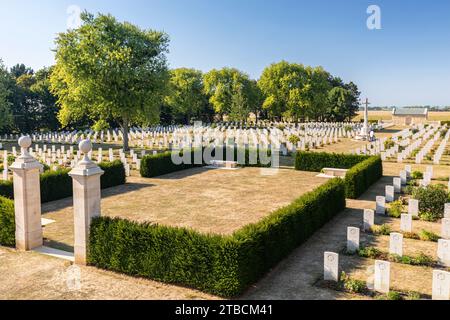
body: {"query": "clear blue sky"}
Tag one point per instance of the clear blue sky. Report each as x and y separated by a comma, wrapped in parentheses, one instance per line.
(407, 62)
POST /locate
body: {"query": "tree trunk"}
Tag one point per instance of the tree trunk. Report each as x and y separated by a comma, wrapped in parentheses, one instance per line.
(125, 135)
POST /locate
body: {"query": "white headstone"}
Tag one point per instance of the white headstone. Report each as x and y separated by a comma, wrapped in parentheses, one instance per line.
(445, 234)
(369, 219)
(413, 207)
(331, 266)
(397, 185)
(381, 205)
(352, 239)
(382, 276)
(403, 177)
(406, 223)
(396, 244)
(447, 210)
(390, 194)
(441, 285)
(444, 252)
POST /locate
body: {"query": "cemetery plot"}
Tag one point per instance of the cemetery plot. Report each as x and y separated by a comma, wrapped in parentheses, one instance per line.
(209, 201)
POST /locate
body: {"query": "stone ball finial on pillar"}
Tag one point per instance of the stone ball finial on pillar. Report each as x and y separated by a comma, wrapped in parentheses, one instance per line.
(24, 143)
(85, 147)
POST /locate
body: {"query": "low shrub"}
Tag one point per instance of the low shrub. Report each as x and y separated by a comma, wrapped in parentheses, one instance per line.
(394, 295)
(353, 285)
(114, 174)
(432, 200)
(395, 209)
(416, 175)
(7, 189)
(425, 235)
(360, 177)
(7, 222)
(316, 161)
(223, 265)
(369, 252)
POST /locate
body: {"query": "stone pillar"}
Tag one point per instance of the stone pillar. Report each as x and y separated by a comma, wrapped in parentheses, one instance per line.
(27, 199)
(86, 200)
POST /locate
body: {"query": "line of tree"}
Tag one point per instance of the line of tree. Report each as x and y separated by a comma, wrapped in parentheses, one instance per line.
(110, 73)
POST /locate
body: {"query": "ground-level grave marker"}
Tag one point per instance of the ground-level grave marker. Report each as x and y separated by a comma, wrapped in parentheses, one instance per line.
(381, 205)
(382, 276)
(444, 252)
(390, 194)
(406, 223)
(369, 219)
(352, 239)
(441, 285)
(396, 244)
(331, 267)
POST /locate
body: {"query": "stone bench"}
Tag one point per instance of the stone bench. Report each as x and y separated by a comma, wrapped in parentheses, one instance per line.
(221, 164)
(333, 173)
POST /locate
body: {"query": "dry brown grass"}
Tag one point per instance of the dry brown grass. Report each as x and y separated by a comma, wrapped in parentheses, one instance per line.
(387, 115)
(209, 201)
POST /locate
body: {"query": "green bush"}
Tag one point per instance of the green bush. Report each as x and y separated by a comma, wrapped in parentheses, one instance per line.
(114, 174)
(425, 235)
(353, 285)
(416, 175)
(394, 295)
(363, 170)
(316, 161)
(7, 222)
(395, 209)
(432, 200)
(7, 189)
(222, 265)
(360, 177)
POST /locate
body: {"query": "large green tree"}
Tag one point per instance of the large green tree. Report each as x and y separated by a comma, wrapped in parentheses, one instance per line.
(231, 93)
(282, 84)
(109, 69)
(5, 105)
(186, 97)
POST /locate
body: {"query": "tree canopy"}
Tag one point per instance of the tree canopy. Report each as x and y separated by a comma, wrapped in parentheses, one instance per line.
(5, 105)
(110, 69)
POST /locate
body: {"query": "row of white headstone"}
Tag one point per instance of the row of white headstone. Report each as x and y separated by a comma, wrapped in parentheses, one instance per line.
(382, 276)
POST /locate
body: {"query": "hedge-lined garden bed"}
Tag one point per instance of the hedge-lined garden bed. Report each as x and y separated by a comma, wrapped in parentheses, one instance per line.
(162, 163)
(363, 170)
(7, 222)
(56, 185)
(222, 265)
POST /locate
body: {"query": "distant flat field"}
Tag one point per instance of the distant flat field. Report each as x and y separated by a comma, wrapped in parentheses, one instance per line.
(387, 115)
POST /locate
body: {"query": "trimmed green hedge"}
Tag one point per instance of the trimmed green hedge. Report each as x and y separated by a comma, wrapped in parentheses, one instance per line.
(7, 189)
(363, 170)
(161, 164)
(7, 222)
(316, 161)
(56, 185)
(360, 177)
(222, 265)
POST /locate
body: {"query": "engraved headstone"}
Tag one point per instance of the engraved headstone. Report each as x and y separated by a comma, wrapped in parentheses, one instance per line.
(390, 194)
(396, 244)
(382, 276)
(381, 205)
(444, 252)
(331, 266)
(406, 223)
(352, 239)
(413, 207)
(403, 177)
(447, 210)
(397, 185)
(441, 285)
(369, 219)
(445, 233)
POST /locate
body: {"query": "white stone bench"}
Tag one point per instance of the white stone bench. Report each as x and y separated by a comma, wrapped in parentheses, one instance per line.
(333, 173)
(221, 164)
